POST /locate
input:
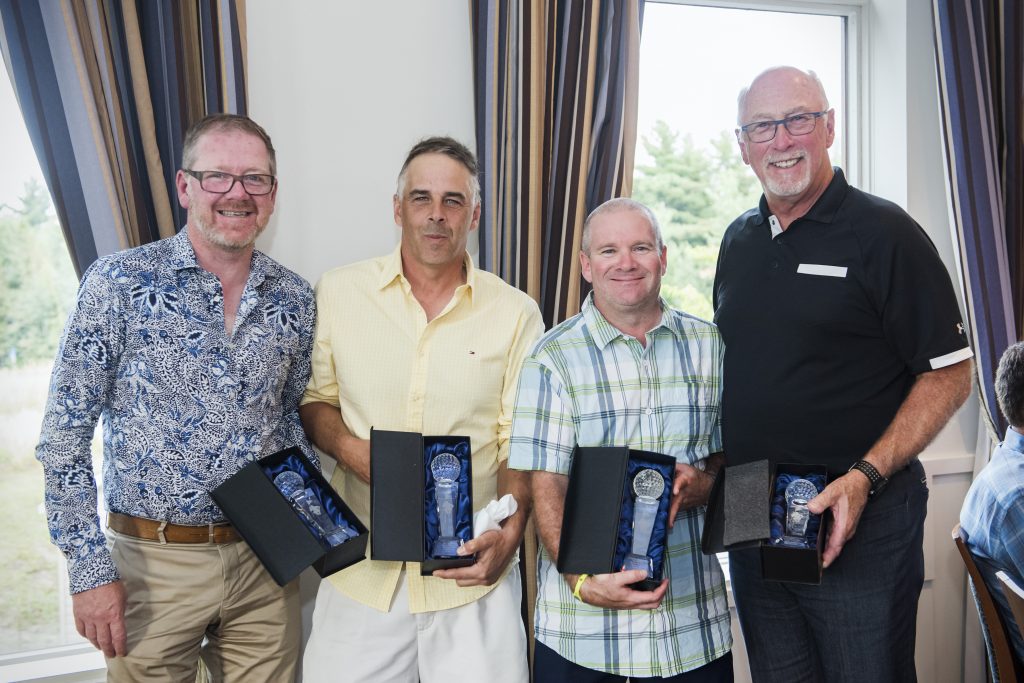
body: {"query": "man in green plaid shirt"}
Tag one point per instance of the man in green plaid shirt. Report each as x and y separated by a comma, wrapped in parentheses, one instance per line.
(627, 371)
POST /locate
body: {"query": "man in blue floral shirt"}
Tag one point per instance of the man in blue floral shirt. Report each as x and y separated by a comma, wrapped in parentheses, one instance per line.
(195, 350)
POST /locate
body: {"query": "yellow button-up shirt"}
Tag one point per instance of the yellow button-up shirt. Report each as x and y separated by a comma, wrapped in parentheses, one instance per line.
(378, 359)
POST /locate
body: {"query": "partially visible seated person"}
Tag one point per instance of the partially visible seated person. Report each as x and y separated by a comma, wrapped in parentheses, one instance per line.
(993, 512)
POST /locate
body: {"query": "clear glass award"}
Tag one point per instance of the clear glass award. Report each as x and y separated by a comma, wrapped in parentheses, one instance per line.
(309, 508)
(446, 469)
(648, 485)
(798, 493)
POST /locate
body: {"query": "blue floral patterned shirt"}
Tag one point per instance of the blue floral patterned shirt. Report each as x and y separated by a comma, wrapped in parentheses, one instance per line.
(185, 405)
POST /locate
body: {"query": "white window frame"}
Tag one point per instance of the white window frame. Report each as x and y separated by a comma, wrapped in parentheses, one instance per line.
(856, 52)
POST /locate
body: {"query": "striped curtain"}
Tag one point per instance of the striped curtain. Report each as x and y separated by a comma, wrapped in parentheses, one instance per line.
(107, 89)
(556, 97)
(980, 54)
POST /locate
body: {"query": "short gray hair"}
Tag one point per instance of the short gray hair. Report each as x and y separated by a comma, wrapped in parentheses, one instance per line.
(741, 99)
(1009, 385)
(621, 204)
(449, 147)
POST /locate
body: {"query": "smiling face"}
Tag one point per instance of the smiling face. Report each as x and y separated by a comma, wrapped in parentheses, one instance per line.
(624, 264)
(231, 221)
(793, 169)
(436, 212)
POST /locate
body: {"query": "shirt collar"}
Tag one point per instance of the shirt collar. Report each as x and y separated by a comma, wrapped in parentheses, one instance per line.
(604, 333)
(824, 210)
(1014, 440)
(392, 270)
(183, 257)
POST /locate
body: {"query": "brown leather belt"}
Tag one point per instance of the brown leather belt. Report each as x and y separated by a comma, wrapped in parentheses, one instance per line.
(165, 532)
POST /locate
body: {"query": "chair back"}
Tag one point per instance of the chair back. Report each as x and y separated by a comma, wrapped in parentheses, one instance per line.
(1002, 664)
(1015, 597)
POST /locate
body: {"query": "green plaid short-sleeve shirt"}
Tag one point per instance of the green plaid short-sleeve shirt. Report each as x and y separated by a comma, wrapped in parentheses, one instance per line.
(589, 384)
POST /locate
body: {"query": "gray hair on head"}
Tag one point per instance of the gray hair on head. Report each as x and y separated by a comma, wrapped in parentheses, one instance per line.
(451, 148)
(1010, 385)
(621, 204)
(741, 99)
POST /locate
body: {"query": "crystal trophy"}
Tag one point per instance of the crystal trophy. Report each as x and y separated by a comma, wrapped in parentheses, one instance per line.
(648, 485)
(446, 468)
(798, 493)
(309, 508)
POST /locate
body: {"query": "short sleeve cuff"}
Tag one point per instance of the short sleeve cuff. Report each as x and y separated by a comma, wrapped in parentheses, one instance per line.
(950, 358)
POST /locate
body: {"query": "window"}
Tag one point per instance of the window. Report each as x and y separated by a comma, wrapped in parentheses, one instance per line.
(37, 288)
(693, 62)
(694, 59)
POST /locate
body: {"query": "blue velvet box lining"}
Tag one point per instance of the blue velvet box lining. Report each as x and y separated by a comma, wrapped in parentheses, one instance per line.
(624, 540)
(777, 518)
(459, 447)
(296, 464)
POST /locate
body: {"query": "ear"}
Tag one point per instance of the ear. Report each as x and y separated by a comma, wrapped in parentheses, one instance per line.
(664, 259)
(181, 185)
(743, 146)
(396, 202)
(476, 218)
(830, 127)
(588, 275)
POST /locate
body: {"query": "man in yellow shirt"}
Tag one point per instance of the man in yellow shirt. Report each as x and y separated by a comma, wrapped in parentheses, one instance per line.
(421, 341)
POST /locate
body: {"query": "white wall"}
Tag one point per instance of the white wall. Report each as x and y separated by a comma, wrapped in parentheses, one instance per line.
(345, 89)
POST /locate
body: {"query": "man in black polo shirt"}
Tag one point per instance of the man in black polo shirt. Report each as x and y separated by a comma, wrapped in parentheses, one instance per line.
(844, 347)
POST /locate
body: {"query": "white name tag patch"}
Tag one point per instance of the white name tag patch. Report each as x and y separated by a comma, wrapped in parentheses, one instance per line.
(818, 269)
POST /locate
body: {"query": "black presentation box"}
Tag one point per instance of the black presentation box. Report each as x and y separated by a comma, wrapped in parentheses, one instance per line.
(597, 527)
(740, 515)
(272, 527)
(403, 512)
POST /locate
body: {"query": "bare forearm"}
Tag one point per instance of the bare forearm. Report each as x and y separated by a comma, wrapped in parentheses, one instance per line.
(933, 399)
(327, 430)
(516, 483)
(548, 506)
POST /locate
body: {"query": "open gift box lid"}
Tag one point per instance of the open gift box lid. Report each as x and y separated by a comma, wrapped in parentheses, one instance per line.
(400, 491)
(593, 525)
(272, 528)
(738, 516)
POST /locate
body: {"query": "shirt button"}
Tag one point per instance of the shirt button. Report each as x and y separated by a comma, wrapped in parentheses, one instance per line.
(780, 239)
(775, 264)
(650, 411)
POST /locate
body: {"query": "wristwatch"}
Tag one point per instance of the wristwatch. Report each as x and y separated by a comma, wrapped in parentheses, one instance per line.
(878, 482)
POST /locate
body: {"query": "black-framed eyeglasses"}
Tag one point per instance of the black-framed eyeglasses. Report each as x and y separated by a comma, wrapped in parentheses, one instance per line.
(797, 124)
(220, 182)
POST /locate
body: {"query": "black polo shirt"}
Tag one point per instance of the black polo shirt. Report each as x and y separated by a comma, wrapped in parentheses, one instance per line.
(826, 325)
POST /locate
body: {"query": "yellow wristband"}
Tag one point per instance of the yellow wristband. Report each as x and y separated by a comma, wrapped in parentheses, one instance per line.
(579, 585)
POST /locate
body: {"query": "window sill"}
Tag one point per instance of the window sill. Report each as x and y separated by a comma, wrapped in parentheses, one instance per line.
(68, 664)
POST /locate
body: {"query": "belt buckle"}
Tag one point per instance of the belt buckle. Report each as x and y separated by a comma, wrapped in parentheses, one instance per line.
(160, 532)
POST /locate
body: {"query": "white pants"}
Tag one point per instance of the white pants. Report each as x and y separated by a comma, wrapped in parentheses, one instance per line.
(481, 641)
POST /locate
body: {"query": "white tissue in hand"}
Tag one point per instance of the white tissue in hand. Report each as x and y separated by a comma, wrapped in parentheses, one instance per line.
(489, 518)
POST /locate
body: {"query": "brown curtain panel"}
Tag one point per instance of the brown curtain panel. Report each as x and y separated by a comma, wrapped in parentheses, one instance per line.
(108, 89)
(556, 99)
(556, 87)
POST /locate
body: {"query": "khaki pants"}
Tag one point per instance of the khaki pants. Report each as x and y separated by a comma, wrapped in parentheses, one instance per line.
(180, 594)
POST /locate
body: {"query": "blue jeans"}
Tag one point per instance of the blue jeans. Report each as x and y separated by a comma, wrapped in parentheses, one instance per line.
(860, 623)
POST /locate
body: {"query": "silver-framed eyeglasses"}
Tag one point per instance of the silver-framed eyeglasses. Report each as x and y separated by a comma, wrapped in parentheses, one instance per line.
(797, 124)
(220, 182)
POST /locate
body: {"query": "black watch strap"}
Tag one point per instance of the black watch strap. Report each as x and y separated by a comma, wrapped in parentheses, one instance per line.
(878, 482)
